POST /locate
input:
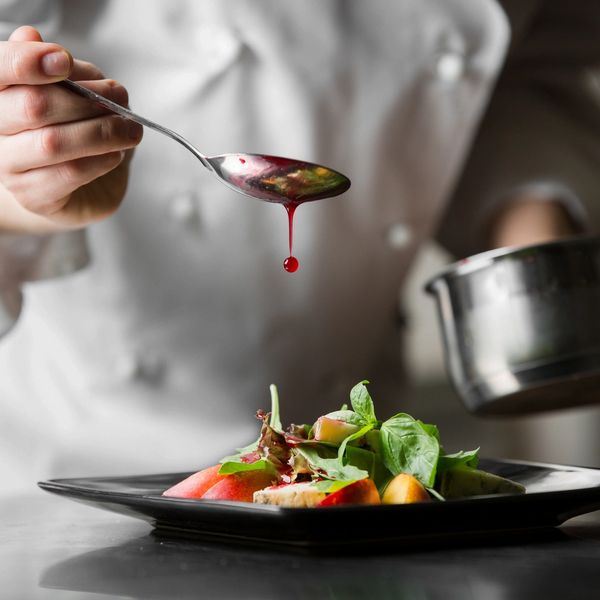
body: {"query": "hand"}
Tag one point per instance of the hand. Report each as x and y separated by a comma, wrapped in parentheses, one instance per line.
(64, 160)
(525, 220)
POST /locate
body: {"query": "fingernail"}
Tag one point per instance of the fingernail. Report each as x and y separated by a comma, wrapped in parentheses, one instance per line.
(56, 64)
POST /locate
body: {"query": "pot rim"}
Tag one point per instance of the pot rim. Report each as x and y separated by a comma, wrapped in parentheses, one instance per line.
(482, 260)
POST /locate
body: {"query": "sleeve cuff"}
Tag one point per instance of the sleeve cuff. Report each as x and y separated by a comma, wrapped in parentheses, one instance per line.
(25, 258)
(540, 191)
(11, 302)
(32, 258)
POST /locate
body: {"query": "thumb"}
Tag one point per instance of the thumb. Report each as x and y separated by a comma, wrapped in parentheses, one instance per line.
(25, 34)
(26, 59)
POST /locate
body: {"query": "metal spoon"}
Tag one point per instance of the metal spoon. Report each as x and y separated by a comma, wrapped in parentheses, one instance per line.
(269, 178)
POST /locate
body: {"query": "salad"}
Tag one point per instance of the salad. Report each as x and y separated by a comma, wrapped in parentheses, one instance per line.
(348, 456)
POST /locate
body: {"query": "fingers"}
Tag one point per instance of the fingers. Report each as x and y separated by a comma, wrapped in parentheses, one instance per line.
(60, 143)
(33, 63)
(62, 156)
(25, 107)
(85, 71)
(25, 34)
(58, 182)
(80, 69)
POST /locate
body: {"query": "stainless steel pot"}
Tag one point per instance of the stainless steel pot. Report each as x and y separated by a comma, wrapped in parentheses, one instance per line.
(521, 326)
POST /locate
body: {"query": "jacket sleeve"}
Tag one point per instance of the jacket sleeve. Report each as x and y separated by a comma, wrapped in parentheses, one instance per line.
(25, 258)
(541, 131)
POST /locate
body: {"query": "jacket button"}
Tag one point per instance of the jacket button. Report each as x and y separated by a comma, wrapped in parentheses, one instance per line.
(148, 369)
(450, 66)
(398, 236)
(184, 210)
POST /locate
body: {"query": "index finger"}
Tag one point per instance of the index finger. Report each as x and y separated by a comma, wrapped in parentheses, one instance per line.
(33, 63)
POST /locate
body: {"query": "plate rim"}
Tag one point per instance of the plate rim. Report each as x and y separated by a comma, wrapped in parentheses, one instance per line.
(62, 486)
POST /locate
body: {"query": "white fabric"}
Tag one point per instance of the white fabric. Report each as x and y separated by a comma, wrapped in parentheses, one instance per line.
(156, 355)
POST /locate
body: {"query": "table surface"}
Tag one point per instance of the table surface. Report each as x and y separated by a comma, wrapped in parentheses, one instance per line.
(52, 547)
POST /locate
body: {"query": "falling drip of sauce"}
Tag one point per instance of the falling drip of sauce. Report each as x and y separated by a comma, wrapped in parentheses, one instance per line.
(291, 264)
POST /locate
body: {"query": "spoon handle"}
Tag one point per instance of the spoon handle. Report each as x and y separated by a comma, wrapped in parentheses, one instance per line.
(128, 114)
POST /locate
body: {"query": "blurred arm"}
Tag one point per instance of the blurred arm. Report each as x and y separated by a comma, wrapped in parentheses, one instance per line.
(533, 173)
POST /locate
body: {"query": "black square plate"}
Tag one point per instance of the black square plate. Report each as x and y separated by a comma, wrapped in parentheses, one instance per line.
(555, 493)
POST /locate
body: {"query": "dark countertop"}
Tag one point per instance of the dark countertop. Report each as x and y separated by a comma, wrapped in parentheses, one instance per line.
(56, 548)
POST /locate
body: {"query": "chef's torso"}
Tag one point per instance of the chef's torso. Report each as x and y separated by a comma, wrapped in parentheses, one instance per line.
(160, 351)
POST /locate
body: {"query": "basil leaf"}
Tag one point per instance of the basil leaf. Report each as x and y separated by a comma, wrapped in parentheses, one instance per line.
(430, 429)
(468, 458)
(329, 486)
(229, 467)
(275, 421)
(348, 416)
(330, 468)
(353, 437)
(373, 439)
(369, 461)
(362, 402)
(408, 447)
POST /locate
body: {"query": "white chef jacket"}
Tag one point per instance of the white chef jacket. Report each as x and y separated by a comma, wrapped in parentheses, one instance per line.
(146, 342)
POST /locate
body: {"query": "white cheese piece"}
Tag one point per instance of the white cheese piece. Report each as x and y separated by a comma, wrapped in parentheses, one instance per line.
(297, 495)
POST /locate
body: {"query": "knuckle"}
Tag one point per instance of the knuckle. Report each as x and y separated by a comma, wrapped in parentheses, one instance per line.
(49, 141)
(105, 130)
(117, 92)
(35, 105)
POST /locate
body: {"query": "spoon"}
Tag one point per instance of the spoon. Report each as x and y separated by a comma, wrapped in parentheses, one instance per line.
(270, 178)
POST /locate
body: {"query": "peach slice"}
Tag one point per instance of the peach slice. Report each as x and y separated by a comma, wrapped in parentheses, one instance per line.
(359, 492)
(404, 489)
(195, 485)
(240, 486)
(331, 430)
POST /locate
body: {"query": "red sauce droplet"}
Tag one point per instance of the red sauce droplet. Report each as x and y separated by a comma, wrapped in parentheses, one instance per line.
(243, 161)
(291, 264)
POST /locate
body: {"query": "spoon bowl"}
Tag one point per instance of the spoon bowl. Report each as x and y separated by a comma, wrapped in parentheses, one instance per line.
(278, 179)
(268, 178)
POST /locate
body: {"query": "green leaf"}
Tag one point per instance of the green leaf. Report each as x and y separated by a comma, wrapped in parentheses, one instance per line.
(436, 494)
(362, 402)
(373, 439)
(253, 447)
(369, 461)
(353, 437)
(408, 447)
(430, 429)
(324, 460)
(275, 421)
(348, 416)
(329, 486)
(229, 467)
(469, 458)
